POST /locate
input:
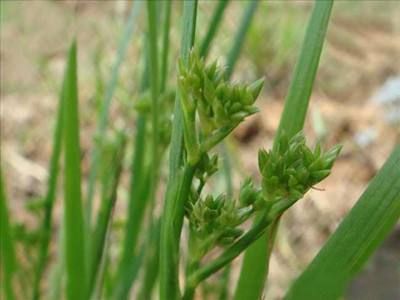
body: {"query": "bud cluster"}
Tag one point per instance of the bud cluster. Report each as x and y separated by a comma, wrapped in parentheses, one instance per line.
(291, 168)
(220, 104)
(217, 220)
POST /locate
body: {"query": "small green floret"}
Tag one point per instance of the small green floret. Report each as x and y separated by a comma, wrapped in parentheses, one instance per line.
(291, 168)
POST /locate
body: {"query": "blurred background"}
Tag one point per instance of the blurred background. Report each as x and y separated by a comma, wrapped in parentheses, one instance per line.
(356, 102)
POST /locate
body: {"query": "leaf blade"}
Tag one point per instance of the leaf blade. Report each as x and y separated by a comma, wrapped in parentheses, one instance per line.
(74, 222)
(359, 234)
(292, 121)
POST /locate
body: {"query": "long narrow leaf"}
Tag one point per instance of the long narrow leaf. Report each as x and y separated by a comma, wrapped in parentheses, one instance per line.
(74, 222)
(152, 258)
(251, 285)
(104, 110)
(361, 232)
(138, 197)
(110, 185)
(165, 43)
(7, 249)
(50, 196)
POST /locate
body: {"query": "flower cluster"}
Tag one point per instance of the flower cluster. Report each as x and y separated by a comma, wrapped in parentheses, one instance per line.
(216, 218)
(291, 168)
(220, 105)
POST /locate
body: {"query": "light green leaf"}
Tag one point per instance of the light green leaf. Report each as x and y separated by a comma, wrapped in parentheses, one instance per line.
(357, 237)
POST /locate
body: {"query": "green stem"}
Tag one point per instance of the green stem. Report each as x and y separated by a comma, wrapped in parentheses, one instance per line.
(178, 188)
(165, 44)
(292, 121)
(228, 255)
(188, 34)
(174, 212)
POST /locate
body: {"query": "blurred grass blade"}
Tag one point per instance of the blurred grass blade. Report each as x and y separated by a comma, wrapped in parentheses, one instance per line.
(74, 222)
(213, 27)
(50, 197)
(152, 262)
(103, 119)
(361, 232)
(7, 255)
(123, 288)
(104, 217)
(56, 275)
(251, 284)
(138, 194)
(240, 36)
(165, 43)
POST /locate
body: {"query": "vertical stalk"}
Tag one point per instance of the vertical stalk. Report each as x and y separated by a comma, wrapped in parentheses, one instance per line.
(179, 181)
(165, 44)
(292, 121)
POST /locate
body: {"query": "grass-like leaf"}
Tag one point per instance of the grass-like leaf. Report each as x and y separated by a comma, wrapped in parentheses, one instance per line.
(73, 218)
(50, 196)
(251, 285)
(139, 192)
(7, 248)
(361, 232)
(104, 217)
(165, 43)
(105, 107)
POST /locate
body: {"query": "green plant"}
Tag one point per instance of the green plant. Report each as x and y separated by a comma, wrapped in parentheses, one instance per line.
(219, 227)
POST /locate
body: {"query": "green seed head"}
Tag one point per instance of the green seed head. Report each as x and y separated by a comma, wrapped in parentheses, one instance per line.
(291, 168)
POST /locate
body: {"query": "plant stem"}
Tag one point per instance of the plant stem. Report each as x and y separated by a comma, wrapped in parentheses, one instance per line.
(292, 121)
(178, 187)
(188, 34)
(165, 44)
(174, 212)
